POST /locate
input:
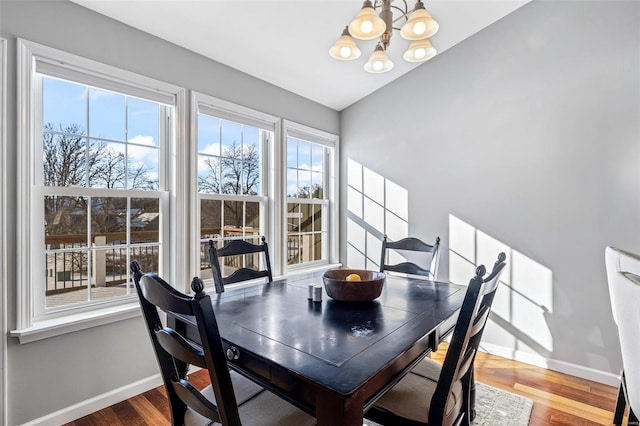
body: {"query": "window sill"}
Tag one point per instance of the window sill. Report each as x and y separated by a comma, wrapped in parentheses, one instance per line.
(72, 323)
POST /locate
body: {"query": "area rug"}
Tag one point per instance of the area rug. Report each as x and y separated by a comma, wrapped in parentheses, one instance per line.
(495, 407)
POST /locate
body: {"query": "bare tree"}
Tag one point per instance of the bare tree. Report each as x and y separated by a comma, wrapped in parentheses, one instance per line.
(237, 171)
(71, 160)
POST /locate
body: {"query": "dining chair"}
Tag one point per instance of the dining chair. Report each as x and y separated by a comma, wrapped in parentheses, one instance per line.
(433, 394)
(241, 273)
(410, 244)
(623, 276)
(231, 399)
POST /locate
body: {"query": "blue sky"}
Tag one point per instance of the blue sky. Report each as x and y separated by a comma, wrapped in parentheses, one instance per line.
(131, 125)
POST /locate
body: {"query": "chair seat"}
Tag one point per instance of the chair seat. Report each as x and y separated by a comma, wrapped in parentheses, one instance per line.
(263, 409)
(244, 388)
(411, 397)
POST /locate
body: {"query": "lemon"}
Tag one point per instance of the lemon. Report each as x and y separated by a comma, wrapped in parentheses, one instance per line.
(353, 277)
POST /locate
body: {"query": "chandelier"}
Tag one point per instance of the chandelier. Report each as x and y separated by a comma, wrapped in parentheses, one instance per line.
(417, 26)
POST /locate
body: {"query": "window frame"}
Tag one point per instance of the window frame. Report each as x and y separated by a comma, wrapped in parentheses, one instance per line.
(221, 109)
(3, 231)
(331, 180)
(31, 56)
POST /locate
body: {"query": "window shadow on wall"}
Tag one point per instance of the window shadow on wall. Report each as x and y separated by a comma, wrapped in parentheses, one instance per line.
(375, 206)
(524, 301)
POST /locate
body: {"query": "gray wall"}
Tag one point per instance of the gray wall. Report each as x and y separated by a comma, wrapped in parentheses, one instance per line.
(55, 373)
(523, 138)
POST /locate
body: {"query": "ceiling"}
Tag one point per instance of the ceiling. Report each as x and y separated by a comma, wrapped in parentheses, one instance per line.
(286, 43)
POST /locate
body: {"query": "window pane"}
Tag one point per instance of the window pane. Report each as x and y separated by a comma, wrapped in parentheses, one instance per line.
(65, 222)
(148, 257)
(252, 219)
(64, 160)
(292, 182)
(293, 249)
(317, 157)
(231, 139)
(233, 218)
(108, 217)
(317, 217)
(106, 115)
(306, 218)
(142, 168)
(304, 155)
(109, 273)
(293, 217)
(316, 185)
(107, 165)
(145, 220)
(209, 174)
(304, 184)
(210, 219)
(231, 177)
(317, 248)
(142, 121)
(67, 278)
(73, 117)
(251, 178)
(306, 248)
(208, 135)
(250, 143)
(292, 153)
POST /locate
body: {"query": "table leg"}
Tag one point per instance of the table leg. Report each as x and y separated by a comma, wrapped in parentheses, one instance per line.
(333, 409)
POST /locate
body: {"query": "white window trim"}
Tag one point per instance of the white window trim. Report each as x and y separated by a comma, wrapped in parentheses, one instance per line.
(27, 53)
(230, 111)
(293, 129)
(3, 233)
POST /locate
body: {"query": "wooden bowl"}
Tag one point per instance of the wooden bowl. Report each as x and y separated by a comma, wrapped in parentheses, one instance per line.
(338, 288)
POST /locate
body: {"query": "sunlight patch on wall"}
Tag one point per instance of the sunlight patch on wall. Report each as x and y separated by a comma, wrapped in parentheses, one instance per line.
(525, 297)
(375, 206)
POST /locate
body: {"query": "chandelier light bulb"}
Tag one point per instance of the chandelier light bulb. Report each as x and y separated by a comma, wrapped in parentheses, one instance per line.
(419, 24)
(420, 51)
(345, 48)
(378, 62)
(419, 28)
(367, 25)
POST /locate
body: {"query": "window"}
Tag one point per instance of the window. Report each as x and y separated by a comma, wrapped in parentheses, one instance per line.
(232, 181)
(96, 181)
(310, 189)
(103, 182)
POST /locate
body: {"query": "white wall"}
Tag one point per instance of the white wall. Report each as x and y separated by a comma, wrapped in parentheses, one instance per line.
(523, 138)
(56, 373)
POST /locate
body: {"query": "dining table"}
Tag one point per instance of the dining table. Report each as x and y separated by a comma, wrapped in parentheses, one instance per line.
(332, 359)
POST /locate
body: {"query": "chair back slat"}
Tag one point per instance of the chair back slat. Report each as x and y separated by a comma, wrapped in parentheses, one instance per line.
(244, 274)
(238, 248)
(457, 367)
(407, 268)
(179, 347)
(195, 400)
(174, 351)
(414, 245)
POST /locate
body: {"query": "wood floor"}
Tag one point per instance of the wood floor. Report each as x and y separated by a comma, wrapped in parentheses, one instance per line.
(559, 399)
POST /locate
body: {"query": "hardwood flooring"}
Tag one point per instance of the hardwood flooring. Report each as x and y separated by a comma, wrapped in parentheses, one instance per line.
(559, 399)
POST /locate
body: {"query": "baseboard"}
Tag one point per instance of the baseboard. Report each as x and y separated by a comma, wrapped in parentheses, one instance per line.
(98, 402)
(553, 364)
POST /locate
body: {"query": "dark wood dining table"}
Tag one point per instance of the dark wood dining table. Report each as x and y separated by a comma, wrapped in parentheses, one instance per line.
(332, 359)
